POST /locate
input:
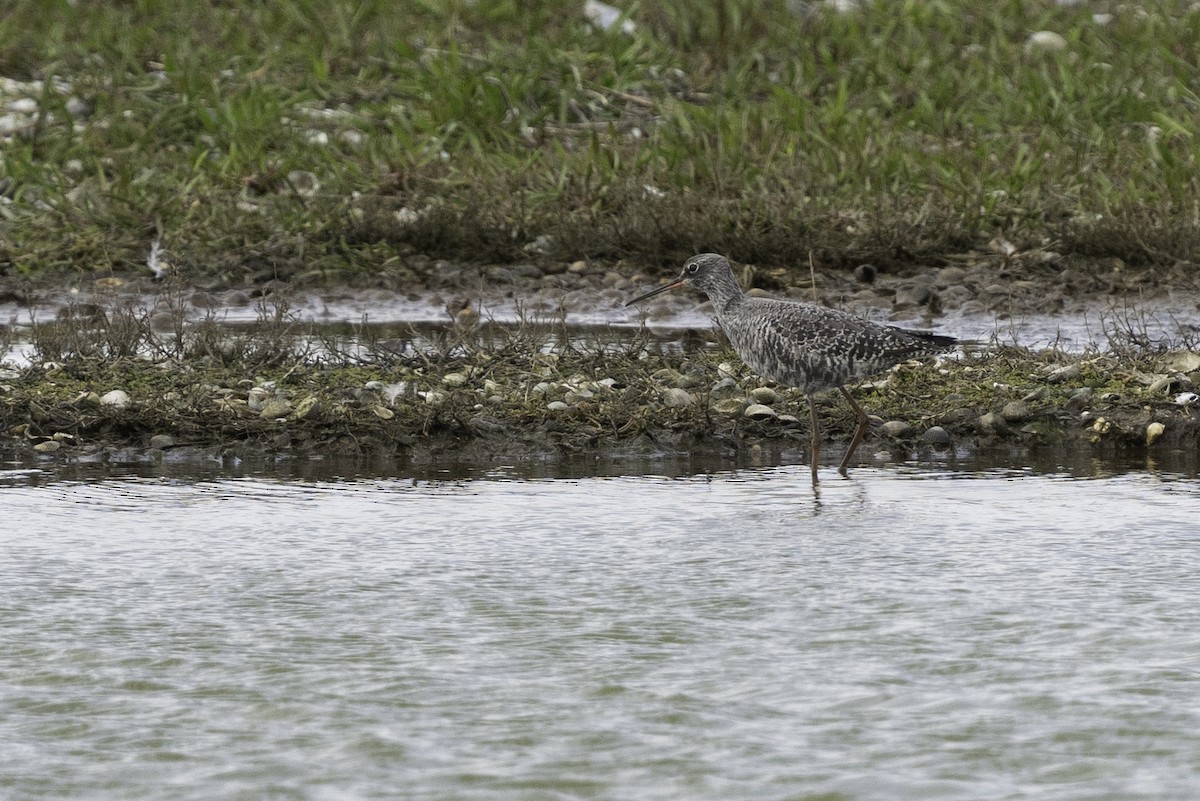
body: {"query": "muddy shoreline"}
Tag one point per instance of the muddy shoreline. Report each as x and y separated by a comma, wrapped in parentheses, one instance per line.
(517, 403)
(490, 395)
(971, 294)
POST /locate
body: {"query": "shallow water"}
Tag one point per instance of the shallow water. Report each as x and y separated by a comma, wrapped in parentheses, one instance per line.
(325, 631)
(1089, 323)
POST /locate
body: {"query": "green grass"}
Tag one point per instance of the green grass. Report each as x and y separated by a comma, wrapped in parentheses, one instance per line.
(897, 134)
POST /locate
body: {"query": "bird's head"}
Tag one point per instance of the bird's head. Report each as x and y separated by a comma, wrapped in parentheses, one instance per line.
(701, 272)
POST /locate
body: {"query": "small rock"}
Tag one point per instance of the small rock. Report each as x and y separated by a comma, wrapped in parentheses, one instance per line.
(161, 441)
(307, 408)
(756, 411)
(865, 273)
(275, 408)
(1184, 361)
(1015, 411)
(454, 379)
(936, 435)
(729, 406)
(992, 423)
(257, 397)
(914, 294)
(78, 108)
(1080, 399)
(896, 429)
(1038, 394)
(383, 412)
(676, 397)
(1063, 374)
(49, 446)
(674, 378)
(1153, 432)
(118, 398)
(950, 276)
(605, 17)
(764, 395)
(557, 406)
(543, 244)
(1045, 42)
(303, 182)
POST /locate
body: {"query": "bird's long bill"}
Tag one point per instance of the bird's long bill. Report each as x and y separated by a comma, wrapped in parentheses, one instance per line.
(676, 283)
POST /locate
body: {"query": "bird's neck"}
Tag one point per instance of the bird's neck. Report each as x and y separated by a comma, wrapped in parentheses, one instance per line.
(725, 293)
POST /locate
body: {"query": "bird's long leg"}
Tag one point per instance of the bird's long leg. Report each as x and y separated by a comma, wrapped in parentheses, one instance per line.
(816, 437)
(864, 423)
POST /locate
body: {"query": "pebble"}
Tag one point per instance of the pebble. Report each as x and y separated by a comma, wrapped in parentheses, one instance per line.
(675, 378)
(958, 416)
(303, 182)
(1015, 411)
(1063, 374)
(162, 441)
(257, 397)
(307, 408)
(275, 408)
(454, 379)
(557, 406)
(1153, 432)
(48, 446)
(729, 406)
(865, 273)
(915, 294)
(764, 395)
(992, 423)
(1184, 361)
(1045, 42)
(756, 411)
(896, 429)
(1080, 398)
(383, 412)
(936, 435)
(950, 276)
(676, 397)
(118, 398)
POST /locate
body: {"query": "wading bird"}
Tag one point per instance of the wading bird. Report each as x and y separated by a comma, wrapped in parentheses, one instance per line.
(812, 348)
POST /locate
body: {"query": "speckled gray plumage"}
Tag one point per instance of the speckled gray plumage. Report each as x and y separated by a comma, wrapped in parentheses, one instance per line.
(803, 345)
(815, 348)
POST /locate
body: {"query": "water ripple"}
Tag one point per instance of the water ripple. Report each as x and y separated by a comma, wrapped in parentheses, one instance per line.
(729, 635)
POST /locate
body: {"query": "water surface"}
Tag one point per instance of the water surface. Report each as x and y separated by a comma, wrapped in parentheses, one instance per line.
(914, 632)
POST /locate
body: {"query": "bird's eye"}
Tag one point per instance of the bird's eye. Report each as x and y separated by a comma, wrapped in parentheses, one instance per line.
(692, 268)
